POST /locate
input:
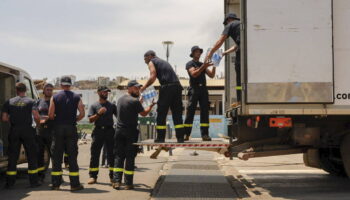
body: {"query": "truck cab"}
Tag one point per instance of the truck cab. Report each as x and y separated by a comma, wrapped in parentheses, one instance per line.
(9, 75)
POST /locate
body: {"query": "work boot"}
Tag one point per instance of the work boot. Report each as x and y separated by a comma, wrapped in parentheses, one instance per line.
(35, 185)
(187, 138)
(116, 186)
(77, 188)
(55, 187)
(129, 187)
(206, 138)
(92, 181)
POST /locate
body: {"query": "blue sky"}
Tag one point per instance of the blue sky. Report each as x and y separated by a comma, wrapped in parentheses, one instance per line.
(90, 38)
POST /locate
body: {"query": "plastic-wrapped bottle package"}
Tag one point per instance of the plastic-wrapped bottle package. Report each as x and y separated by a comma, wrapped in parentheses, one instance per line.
(216, 58)
(149, 95)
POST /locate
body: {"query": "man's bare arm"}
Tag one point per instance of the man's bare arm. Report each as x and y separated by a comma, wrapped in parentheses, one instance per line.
(52, 110)
(217, 45)
(36, 117)
(152, 78)
(230, 50)
(211, 73)
(195, 72)
(5, 117)
(147, 110)
(81, 111)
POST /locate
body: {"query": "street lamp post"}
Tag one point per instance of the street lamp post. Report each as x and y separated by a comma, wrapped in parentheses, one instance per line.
(167, 45)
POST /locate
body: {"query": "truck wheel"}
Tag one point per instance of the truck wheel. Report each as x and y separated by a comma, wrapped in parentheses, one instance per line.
(312, 158)
(345, 153)
(47, 156)
(331, 164)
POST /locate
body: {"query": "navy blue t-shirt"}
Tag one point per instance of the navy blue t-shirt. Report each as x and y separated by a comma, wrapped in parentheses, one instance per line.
(42, 106)
(20, 111)
(165, 73)
(66, 106)
(128, 109)
(107, 118)
(201, 79)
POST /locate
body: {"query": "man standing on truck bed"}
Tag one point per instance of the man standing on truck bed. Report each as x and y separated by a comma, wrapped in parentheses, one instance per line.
(63, 110)
(102, 113)
(233, 30)
(44, 127)
(198, 92)
(170, 95)
(18, 112)
(128, 109)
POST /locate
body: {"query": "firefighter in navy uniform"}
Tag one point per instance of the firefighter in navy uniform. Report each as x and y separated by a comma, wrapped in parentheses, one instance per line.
(232, 29)
(102, 113)
(170, 95)
(44, 127)
(128, 109)
(63, 110)
(18, 111)
(198, 92)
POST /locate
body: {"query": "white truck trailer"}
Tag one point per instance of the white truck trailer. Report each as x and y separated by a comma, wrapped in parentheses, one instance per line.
(295, 81)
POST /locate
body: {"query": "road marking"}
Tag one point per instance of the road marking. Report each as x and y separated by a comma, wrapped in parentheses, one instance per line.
(297, 171)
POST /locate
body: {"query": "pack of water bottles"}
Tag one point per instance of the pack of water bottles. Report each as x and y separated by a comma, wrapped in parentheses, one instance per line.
(217, 57)
(148, 96)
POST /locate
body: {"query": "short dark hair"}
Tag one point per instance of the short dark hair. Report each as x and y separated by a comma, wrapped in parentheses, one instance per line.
(150, 53)
(21, 87)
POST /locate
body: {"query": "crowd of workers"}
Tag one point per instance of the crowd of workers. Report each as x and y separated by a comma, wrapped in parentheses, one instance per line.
(56, 119)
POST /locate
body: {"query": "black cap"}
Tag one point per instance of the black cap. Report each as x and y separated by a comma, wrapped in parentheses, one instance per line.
(230, 16)
(103, 89)
(194, 48)
(150, 53)
(134, 83)
(48, 85)
(66, 80)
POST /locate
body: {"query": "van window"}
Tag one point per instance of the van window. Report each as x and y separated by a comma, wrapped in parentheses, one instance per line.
(30, 92)
(7, 91)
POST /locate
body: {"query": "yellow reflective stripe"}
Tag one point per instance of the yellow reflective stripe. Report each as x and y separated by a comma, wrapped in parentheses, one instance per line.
(160, 127)
(65, 155)
(179, 126)
(33, 171)
(118, 169)
(238, 87)
(111, 169)
(73, 173)
(94, 169)
(41, 169)
(129, 172)
(204, 125)
(56, 173)
(187, 125)
(11, 173)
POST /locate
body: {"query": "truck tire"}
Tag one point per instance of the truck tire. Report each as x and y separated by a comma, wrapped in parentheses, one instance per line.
(329, 164)
(345, 153)
(312, 158)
